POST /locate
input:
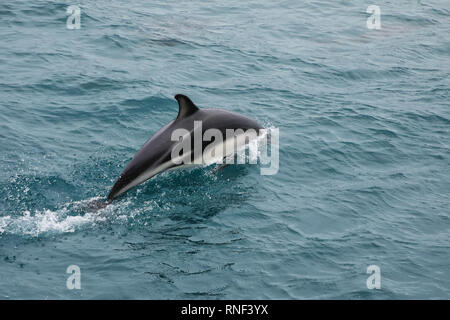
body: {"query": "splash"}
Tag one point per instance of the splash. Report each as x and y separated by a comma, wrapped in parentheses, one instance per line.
(52, 221)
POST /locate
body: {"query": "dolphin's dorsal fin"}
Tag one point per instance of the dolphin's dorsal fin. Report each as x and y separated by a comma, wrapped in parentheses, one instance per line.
(186, 106)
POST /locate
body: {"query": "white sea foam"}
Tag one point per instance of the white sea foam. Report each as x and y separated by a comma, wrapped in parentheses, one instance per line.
(49, 221)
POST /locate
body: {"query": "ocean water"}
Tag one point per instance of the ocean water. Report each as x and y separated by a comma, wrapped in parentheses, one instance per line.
(364, 168)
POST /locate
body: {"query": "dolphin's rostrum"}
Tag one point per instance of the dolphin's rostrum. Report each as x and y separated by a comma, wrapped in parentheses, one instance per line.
(155, 156)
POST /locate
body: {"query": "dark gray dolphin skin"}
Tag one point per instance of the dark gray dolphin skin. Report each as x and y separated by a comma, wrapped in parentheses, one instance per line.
(155, 156)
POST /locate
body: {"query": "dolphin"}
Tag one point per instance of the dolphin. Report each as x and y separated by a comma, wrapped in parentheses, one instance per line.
(156, 154)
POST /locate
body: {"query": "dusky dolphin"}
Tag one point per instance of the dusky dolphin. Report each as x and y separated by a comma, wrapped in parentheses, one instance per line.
(155, 156)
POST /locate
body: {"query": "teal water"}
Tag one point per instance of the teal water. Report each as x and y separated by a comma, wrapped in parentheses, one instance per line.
(364, 149)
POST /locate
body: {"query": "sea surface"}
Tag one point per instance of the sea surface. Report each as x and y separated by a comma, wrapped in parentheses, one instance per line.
(364, 174)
